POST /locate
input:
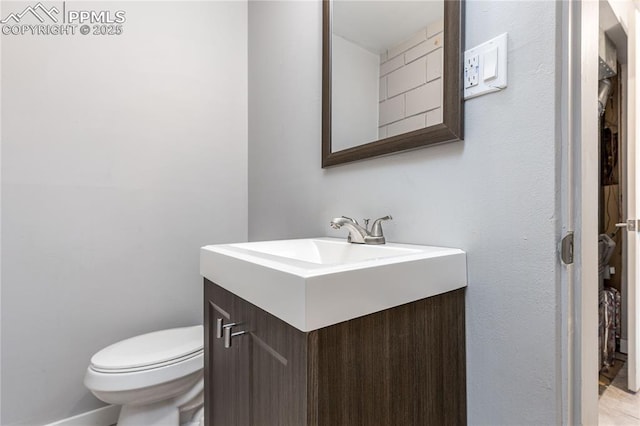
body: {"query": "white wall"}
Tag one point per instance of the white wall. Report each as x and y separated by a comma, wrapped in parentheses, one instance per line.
(354, 110)
(493, 195)
(121, 156)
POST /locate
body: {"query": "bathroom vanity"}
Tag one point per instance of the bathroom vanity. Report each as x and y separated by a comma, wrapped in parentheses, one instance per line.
(321, 332)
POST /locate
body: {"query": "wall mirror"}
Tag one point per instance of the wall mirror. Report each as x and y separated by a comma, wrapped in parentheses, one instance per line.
(391, 77)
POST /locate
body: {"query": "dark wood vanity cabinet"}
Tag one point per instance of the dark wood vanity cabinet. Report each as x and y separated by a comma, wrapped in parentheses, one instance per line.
(402, 366)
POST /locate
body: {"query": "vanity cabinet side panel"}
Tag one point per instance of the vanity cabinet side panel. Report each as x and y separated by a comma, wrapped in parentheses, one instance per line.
(402, 366)
(455, 379)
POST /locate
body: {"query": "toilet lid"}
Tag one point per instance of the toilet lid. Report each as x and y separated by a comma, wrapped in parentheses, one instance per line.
(145, 350)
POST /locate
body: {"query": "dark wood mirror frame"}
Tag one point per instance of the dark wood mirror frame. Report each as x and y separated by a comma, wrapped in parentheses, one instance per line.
(450, 130)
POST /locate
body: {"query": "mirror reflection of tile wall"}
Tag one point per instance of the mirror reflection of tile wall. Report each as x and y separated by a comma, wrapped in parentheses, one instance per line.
(410, 93)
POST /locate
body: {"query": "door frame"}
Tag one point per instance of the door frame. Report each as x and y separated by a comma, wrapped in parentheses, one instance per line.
(579, 204)
(585, 182)
(633, 270)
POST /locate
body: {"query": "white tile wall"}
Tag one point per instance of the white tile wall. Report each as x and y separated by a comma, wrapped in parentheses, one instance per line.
(391, 65)
(415, 39)
(434, 65)
(392, 110)
(407, 125)
(382, 90)
(435, 28)
(411, 83)
(423, 48)
(407, 77)
(434, 117)
(424, 98)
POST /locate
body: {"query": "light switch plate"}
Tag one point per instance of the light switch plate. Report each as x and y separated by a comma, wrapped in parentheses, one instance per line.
(491, 67)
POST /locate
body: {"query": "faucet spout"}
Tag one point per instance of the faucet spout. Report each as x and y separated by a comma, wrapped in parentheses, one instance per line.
(357, 234)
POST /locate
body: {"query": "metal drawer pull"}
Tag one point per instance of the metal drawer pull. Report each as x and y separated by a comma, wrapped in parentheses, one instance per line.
(229, 334)
(219, 324)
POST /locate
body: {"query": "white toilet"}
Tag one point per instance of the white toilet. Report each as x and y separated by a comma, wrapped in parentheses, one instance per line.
(156, 377)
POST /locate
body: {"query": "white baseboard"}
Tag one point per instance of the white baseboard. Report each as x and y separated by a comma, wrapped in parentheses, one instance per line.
(623, 346)
(105, 416)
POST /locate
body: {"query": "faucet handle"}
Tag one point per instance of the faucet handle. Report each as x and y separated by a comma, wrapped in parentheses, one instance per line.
(376, 229)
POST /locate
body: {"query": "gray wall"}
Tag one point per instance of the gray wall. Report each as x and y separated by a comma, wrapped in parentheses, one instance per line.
(121, 156)
(492, 195)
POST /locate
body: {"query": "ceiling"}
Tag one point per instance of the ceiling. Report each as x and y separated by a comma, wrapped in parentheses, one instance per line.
(379, 25)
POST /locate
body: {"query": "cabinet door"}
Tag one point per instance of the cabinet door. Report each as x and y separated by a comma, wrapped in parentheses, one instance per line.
(277, 372)
(261, 379)
(226, 386)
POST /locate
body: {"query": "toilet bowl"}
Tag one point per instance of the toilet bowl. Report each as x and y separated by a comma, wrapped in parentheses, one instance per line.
(156, 377)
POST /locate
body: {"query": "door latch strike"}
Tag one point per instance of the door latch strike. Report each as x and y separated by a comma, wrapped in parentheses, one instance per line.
(566, 248)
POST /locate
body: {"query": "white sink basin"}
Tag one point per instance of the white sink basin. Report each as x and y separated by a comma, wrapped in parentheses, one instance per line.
(325, 251)
(317, 282)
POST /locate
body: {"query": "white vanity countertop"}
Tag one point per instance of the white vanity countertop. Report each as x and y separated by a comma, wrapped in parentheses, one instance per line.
(317, 282)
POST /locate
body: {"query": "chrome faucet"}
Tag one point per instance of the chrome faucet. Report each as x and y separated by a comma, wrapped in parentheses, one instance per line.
(359, 234)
